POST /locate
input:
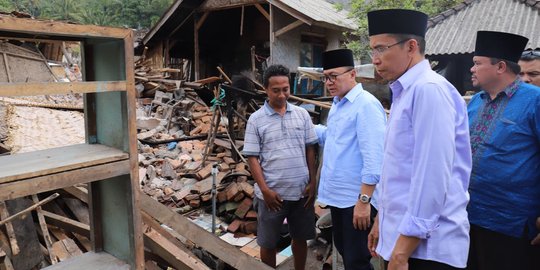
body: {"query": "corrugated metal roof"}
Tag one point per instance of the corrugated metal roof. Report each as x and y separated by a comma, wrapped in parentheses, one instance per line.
(321, 11)
(454, 31)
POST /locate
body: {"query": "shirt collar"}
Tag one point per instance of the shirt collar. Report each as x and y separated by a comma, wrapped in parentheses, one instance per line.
(269, 110)
(509, 91)
(409, 77)
(351, 95)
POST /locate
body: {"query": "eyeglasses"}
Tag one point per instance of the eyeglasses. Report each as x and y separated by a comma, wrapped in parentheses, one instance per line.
(333, 77)
(381, 49)
(531, 53)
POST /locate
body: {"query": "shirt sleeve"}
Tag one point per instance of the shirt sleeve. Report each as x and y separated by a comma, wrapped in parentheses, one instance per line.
(320, 130)
(433, 124)
(370, 129)
(252, 141)
(311, 136)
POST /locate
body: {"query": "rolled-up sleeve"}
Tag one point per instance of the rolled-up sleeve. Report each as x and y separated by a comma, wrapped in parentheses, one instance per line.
(433, 119)
(370, 128)
(252, 146)
(320, 130)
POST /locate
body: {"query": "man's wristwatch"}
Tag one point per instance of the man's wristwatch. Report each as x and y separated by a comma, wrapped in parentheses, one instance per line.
(364, 198)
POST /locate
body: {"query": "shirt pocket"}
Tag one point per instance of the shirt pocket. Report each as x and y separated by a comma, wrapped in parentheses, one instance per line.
(401, 132)
(345, 130)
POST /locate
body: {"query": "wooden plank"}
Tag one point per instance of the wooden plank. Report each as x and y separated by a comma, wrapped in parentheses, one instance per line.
(44, 162)
(77, 192)
(65, 249)
(17, 189)
(136, 219)
(9, 230)
(67, 223)
(263, 11)
(171, 253)
(288, 28)
(51, 88)
(8, 265)
(200, 237)
(7, 67)
(78, 209)
(202, 20)
(91, 261)
(57, 28)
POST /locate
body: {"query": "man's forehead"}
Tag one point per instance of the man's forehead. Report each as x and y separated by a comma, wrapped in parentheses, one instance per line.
(480, 58)
(380, 38)
(335, 70)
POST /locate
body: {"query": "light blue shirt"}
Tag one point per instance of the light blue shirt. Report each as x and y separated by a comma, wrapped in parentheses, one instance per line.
(426, 168)
(280, 143)
(353, 147)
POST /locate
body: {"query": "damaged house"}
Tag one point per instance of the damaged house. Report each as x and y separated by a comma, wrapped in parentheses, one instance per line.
(244, 35)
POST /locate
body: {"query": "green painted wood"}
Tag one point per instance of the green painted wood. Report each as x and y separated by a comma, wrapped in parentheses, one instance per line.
(107, 124)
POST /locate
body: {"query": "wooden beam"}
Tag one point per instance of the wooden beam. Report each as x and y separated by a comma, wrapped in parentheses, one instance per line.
(45, 231)
(77, 192)
(55, 28)
(171, 253)
(200, 237)
(263, 11)
(9, 230)
(162, 21)
(288, 28)
(36, 205)
(6, 64)
(196, 59)
(67, 224)
(34, 89)
(180, 25)
(202, 20)
(58, 180)
(135, 228)
(294, 13)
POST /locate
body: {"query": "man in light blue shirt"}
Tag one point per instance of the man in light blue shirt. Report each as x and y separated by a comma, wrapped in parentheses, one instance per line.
(352, 158)
(422, 221)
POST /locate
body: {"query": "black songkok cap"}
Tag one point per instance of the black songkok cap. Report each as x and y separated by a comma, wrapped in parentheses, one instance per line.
(500, 45)
(397, 21)
(337, 58)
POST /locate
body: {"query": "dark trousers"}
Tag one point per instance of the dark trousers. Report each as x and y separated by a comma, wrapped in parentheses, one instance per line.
(350, 242)
(496, 251)
(417, 264)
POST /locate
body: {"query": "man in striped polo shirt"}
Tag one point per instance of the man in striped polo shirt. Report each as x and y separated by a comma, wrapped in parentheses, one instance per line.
(280, 145)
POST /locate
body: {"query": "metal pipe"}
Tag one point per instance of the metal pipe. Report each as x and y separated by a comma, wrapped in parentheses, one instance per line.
(214, 195)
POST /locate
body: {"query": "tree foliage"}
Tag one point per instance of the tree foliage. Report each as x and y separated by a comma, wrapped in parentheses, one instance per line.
(360, 8)
(123, 13)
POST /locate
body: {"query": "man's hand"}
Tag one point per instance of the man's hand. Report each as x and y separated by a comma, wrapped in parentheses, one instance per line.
(309, 192)
(272, 200)
(373, 238)
(361, 216)
(536, 240)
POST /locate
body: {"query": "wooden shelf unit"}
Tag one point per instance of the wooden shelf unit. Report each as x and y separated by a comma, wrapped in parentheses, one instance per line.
(107, 161)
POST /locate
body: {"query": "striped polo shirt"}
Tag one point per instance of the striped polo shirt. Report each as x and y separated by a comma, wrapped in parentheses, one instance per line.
(280, 143)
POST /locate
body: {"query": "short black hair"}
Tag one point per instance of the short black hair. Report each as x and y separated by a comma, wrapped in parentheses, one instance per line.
(420, 40)
(274, 71)
(512, 66)
(530, 55)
